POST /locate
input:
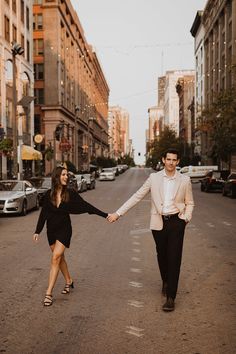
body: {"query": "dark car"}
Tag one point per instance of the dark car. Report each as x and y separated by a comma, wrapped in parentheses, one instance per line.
(213, 181)
(229, 188)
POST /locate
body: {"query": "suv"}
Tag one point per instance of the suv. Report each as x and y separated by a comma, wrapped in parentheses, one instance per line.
(213, 181)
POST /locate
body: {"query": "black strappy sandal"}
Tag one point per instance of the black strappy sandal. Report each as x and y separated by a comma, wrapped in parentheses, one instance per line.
(47, 300)
(67, 287)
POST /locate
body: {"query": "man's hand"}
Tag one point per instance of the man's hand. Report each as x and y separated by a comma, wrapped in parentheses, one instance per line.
(35, 237)
(112, 217)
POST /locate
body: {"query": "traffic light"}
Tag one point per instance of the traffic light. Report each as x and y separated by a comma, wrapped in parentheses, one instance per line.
(58, 130)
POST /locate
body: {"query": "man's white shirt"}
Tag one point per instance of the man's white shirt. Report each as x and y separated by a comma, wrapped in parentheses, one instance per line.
(169, 186)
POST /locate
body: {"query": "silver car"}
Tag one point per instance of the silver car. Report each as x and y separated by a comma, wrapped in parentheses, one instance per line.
(81, 181)
(107, 174)
(17, 197)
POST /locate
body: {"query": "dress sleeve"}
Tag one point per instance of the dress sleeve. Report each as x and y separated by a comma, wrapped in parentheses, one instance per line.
(42, 216)
(77, 205)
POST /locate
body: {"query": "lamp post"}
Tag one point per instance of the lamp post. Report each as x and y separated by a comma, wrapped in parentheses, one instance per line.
(16, 50)
(77, 109)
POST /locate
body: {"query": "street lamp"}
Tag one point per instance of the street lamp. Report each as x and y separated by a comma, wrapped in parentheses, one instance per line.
(16, 50)
(77, 109)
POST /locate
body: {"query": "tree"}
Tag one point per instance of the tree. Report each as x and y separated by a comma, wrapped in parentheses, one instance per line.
(220, 118)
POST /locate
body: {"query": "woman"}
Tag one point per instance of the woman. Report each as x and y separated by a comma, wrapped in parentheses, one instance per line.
(59, 203)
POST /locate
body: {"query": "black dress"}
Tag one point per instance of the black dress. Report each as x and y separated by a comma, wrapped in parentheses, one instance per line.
(58, 219)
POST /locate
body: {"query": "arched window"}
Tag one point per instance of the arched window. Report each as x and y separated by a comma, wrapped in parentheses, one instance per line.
(9, 72)
(25, 84)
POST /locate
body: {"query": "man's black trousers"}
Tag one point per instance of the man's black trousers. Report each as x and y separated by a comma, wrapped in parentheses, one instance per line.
(169, 246)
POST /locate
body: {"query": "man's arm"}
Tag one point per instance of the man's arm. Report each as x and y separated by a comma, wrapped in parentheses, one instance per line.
(132, 201)
(189, 201)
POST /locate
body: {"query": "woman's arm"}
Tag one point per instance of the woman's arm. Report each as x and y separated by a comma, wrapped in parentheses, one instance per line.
(78, 205)
(43, 215)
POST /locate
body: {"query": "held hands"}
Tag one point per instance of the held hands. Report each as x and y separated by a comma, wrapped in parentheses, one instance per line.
(112, 217)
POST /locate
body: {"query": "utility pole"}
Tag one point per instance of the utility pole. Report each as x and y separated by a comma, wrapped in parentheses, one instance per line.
(77, 109)
(16, 50)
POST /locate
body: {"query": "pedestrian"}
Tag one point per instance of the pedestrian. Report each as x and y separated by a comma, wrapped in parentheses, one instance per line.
(58, 204)
(171, 209)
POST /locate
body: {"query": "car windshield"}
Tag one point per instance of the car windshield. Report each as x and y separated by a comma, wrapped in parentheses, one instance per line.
(107, 170)
(11, 186)
(46, 183)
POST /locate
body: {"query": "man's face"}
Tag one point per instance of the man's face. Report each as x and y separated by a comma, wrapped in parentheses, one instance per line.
(170, 162)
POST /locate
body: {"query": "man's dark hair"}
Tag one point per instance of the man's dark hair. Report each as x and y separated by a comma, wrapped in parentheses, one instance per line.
(171, 151)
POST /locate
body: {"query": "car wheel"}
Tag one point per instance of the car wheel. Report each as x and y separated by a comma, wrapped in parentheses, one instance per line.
(224, 192)
(24, 208)
(202, 188)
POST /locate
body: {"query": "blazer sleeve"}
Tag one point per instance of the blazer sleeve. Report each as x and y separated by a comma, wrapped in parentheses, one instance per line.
(135, 198)
(78, 205)
(189, 202)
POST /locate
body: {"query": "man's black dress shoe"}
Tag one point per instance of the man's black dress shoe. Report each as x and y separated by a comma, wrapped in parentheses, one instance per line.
(164, 289)
(169, 305)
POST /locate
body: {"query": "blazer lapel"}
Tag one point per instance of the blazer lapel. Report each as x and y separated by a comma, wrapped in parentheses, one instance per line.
(160, 184)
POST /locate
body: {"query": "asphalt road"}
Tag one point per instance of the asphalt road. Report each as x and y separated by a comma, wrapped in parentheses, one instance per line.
(115, 307)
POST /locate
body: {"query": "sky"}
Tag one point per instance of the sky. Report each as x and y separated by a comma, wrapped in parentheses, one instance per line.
(136, 41)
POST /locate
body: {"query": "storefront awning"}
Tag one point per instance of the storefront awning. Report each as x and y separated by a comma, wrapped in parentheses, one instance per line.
(29, 153)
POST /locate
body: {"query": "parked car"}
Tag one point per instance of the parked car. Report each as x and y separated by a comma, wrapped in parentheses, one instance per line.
(197, 172)
(229, 187)
(213, 181)
(107, 174)
(42, 184)
(72, 182)
(116, 170)
(90, 180)
(17, 197)
(81, 182)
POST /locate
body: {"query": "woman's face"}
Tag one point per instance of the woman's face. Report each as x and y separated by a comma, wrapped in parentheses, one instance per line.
(64, 177)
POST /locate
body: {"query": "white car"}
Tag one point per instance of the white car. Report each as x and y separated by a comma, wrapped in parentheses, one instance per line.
(107, 174)
(17, 197)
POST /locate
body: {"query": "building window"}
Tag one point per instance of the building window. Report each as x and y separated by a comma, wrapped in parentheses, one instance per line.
(22, 41)
(28, 51)
(7, 28)
(38, 2)
(39, 96)
(22, 12)
(7, 1)
(38, 47)
(14, 5)
(27, 18)
(37, 124)
(14, 33)
(38, 71)
(38, 22)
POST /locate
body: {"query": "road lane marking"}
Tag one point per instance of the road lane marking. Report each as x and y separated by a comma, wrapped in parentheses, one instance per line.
(135, 331)
(135, 284)
(135, 303)
(136, 250)
(210, 224)
(136, 259)
(140, 231)
(227, 223)
(136, 270)
(136, 237)
(136, 243)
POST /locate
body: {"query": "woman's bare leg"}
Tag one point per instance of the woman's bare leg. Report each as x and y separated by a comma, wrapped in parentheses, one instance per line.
(58, 252)
(63, 267)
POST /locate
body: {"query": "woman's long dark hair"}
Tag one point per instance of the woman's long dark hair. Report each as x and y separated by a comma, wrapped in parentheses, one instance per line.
(56, 184)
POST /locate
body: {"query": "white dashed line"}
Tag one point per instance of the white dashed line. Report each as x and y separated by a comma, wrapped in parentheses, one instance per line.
(136, 250)
(135, 303)
(227, 223)
(140, 231)
(135, 284)
(135, 331)
(136, 270)
(136, 237)
(136, 259)
(136, 243)
(210, 224)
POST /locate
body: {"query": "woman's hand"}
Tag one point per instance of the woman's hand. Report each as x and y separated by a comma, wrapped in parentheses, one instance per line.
(36, 237)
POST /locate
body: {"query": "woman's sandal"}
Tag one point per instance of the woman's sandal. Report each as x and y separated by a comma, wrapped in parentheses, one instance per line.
(47, 300)
(67, 287)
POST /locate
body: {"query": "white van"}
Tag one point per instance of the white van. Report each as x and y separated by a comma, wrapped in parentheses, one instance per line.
(197, 171)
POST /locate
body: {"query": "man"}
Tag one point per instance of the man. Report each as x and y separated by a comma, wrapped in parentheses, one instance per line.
(171, 209)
